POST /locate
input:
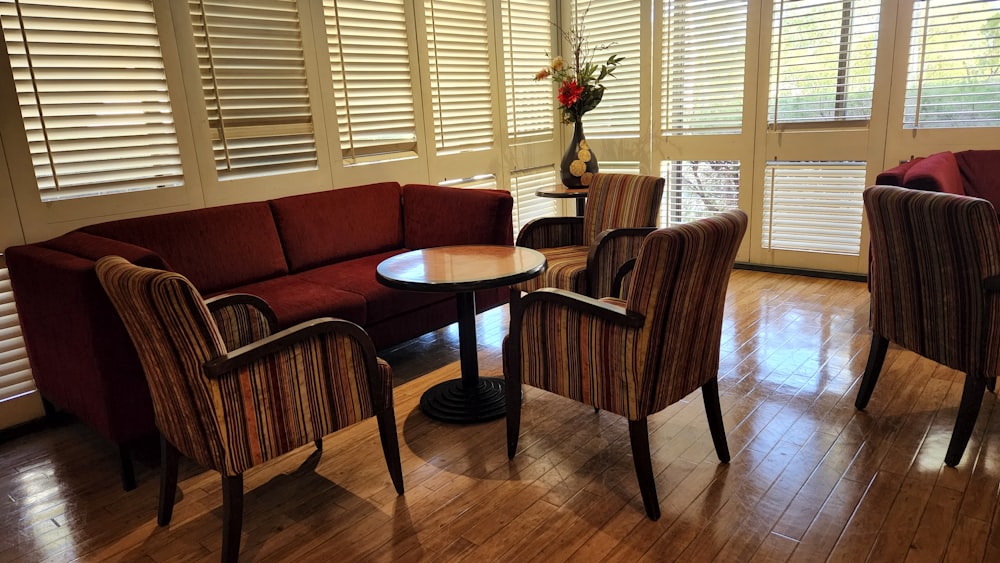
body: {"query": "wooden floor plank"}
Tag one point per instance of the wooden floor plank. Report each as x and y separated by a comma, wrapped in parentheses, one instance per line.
(811, 477)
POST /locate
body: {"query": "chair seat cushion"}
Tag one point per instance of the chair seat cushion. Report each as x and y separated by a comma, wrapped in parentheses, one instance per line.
(566, 269)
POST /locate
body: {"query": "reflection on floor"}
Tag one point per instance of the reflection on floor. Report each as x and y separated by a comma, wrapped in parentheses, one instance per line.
(811, 478)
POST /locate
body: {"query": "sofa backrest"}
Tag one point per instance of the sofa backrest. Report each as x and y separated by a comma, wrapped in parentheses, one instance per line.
(980, 171)
(217, 248)
(340, 224)
(936, 173)
(441, 216)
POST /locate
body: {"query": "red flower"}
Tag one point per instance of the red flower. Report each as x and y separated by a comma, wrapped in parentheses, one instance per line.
(569, 93)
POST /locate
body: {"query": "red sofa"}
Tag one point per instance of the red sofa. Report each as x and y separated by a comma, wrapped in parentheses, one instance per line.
(308, 256)
(974, 173)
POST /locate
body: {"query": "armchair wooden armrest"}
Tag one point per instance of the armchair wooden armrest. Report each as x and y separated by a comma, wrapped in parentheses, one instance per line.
(610, 251)
(242, 318)
(549, 232)
(306, 334)
(585, 305)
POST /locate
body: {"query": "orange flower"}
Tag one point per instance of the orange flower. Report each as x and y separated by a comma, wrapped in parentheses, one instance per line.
(558, 63)
(543, 74)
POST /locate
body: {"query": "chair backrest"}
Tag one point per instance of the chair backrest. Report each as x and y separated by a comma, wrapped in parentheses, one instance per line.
(930, 253)
(679, 283)
(620, 201)
(174, 335)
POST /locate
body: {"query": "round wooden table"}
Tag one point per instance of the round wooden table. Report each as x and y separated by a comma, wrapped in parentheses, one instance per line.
(462, 270)
(561, 192)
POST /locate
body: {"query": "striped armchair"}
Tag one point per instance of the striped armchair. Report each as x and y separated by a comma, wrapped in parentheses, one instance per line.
(634, 357)
(231, 395)
(584, 253)
(934, 274)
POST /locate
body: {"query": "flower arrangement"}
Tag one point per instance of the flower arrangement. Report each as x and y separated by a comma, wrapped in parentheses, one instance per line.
(579, 83)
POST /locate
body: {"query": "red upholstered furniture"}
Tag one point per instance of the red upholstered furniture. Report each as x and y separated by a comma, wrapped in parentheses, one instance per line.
(307, 256)
(975, 173)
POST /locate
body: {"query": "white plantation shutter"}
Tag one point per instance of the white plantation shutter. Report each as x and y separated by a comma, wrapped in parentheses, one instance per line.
(527, 206)
(822, 60)
(373, 88)
(459, 60)
(479, 181)
(813, 207)
(696, 189)
(254, 83)
(16, 384)
(704, 54)
(527, 38)
(614, 24)
(953, 78)
(93, 96)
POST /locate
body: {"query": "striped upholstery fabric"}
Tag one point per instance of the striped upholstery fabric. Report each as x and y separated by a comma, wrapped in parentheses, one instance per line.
(679, 286)
(930, 253)
(614, 201)
(240, 323)
(282, 401)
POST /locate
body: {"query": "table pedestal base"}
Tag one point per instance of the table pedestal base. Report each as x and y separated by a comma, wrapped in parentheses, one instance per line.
(448, 402)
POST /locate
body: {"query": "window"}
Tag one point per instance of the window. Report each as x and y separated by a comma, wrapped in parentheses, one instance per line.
(16, 384)
(527, 40)
(373, 88)
(822, 60)
(611, 27)
(527, 206)
(704, 53)
(93, 96)
(953, 78)
(459, 59)
(254, 82)
(813, 206)
(696, 189)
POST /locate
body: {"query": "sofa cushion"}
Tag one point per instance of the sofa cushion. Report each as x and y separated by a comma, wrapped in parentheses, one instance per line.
(358, 276)
(980, 172)
(333, 225)
(215, 247)
(294, 300)
(430, 212)
(936, 173)
(894, 175)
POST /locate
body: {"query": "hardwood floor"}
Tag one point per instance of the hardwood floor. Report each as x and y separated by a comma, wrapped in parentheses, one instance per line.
(811, 478)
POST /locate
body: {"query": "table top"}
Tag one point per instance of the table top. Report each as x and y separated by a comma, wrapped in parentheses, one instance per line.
(561, 191)
(460, 268)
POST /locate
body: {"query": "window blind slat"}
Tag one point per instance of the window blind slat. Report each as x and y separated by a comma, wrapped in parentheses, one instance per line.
(527, 205)
(952, 78)
(813, 207)
(704, 53)
(457, 53)
(696, 189)
(527, 39)
(615, 24)
(254, 84)
(92, 72)
(822, 60)
(373, 88)
(15, 373)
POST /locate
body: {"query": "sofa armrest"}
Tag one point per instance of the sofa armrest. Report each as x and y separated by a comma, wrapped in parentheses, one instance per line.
(81, 356)
(441, 216)
(551, 232)
(94, 247)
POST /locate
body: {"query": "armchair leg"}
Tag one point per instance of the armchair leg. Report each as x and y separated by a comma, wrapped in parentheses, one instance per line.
(968, 411)
(638, 433)
(390, 446)
(512, 392)
(876, 357)
(232, 516)
(713, 410)
(169, 460)
(126, 467)
(991, 384)
(319, 444)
